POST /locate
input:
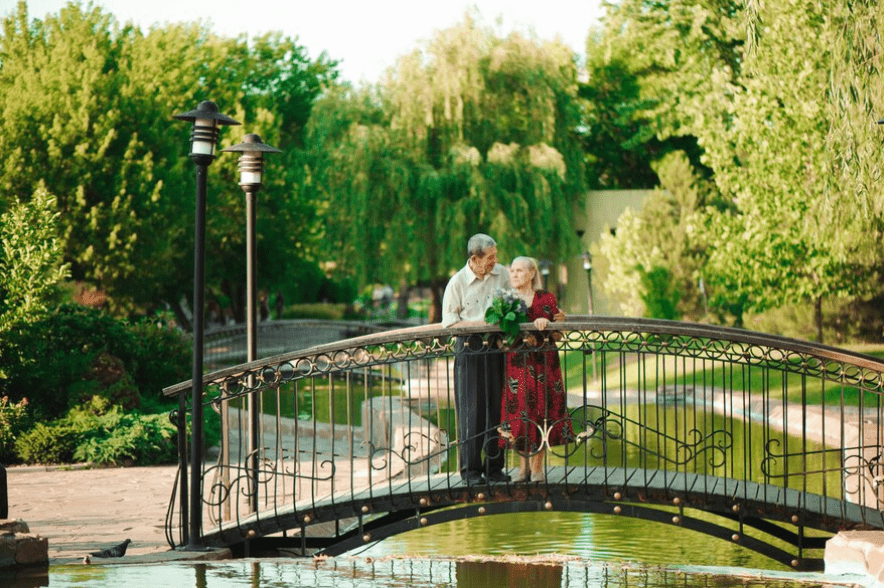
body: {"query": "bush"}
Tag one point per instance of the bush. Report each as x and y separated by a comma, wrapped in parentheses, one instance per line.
(332, 312)
(101, 433)
(129, 439)
(342, 290)
(53, 360)
(162, 354)
(53, 443)
(14, 420)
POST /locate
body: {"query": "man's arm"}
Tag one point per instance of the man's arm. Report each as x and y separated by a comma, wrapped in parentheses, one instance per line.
(451, 303)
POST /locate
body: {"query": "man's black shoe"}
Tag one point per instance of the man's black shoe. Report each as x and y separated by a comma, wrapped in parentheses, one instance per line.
(498, 476)
(472, 478)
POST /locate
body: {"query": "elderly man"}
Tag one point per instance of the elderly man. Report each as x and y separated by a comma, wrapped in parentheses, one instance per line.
(478, 376)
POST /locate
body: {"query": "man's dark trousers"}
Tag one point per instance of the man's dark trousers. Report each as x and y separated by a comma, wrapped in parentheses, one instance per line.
(478, 386)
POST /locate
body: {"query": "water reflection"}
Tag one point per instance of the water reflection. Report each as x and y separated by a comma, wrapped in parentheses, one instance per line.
(554, 572)
(492, 574)
(591, 537)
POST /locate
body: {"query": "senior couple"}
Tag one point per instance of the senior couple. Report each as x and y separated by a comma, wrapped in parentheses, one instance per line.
(519, 392)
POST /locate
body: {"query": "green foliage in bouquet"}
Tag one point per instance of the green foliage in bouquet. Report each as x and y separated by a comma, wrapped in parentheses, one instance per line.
(507, 311)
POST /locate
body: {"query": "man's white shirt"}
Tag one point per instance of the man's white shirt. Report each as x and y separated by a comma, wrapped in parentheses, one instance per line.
(467, 296)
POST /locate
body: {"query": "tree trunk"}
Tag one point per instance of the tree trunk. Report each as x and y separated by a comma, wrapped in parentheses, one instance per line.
(181, 316)
(402, 304)
(436, 291)
(819, 319)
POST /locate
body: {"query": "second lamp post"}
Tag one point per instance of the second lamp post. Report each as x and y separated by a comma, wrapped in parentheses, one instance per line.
(251, 166)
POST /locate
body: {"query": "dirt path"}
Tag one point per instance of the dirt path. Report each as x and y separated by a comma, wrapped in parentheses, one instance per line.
(83, 510)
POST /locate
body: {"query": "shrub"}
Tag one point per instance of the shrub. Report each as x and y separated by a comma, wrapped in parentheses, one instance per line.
(332, 312)
(161, 356)
(129, 439)
(14, 420)
(53, 443)
(52, 361)
(341, 290)
(102, 433)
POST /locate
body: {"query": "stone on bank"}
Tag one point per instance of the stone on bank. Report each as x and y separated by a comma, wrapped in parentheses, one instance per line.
(18, 547)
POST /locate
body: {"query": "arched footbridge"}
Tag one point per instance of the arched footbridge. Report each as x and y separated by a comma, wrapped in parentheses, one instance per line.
(769, 442)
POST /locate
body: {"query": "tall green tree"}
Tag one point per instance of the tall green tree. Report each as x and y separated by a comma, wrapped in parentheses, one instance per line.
(760, 86)
(654, 260)
(469, 133)
(622, 138)
(85, 108)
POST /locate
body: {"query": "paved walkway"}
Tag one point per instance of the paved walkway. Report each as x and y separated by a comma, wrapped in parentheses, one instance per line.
(83, 510)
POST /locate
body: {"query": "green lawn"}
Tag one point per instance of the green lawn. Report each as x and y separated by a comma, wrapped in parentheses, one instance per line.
(632, 371)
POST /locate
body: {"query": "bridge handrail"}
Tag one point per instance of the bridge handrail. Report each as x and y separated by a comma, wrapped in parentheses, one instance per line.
(239, 329)
(354, 420)
(872, 381)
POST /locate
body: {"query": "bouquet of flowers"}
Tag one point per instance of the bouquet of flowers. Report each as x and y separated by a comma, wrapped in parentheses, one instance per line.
(507, 311)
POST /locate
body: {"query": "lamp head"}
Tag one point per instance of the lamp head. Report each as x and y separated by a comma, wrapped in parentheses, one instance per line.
(204, 135)
(251, 162)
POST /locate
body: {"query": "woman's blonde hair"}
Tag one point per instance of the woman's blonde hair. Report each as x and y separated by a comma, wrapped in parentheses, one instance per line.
(536, 283)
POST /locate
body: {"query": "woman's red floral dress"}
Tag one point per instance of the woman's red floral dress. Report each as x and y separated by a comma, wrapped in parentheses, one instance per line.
(533, 394)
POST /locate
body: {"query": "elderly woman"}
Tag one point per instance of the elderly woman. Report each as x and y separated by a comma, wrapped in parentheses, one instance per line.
(533, 407)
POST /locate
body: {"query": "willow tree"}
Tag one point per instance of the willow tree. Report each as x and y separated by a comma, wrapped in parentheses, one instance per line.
(792, 237)
(761, 87)
(469, 133)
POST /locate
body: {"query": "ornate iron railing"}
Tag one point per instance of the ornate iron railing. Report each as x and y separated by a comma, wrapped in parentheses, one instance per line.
(358, 439)
(225, 346)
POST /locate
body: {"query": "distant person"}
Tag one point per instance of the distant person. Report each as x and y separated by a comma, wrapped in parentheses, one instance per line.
(533, 408)
(280, 304)
(264, 305)
(478, 377)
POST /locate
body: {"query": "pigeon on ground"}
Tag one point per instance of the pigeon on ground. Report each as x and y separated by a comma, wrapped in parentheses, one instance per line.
(118, 551)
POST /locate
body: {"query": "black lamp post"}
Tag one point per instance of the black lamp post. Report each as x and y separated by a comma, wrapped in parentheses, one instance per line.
(206, 120)
(545, 264)
(587, 266)
(251, 165)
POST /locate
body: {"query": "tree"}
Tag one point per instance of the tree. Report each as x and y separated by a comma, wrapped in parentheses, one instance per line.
(85, 108)
(620, 137)
(471, 133)
(653, 262)
(31, 266)
(759, 88)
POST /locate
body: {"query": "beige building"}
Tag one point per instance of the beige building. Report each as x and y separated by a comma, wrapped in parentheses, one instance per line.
(602, 209)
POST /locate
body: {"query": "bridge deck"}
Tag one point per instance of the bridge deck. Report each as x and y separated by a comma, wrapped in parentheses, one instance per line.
(723, 496)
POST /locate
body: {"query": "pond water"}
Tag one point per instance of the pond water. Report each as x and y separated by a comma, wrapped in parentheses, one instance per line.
(407, 572)
(539, 550)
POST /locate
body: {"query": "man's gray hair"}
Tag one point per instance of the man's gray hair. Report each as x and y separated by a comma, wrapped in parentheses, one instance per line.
(479, 244)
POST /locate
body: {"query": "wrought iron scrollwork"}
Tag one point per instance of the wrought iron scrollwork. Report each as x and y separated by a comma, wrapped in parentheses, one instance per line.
(610, 426)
